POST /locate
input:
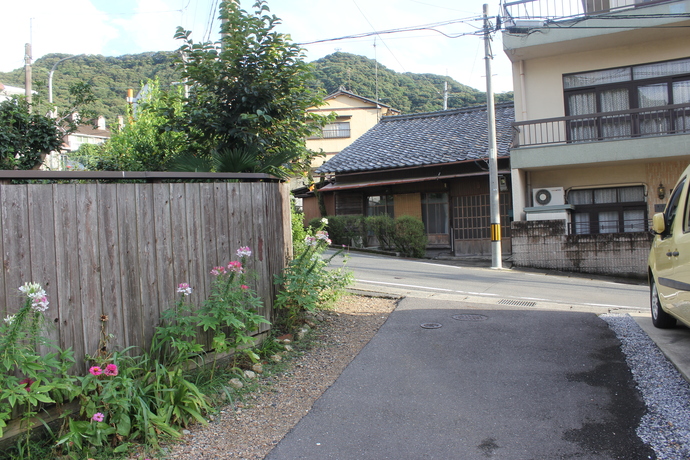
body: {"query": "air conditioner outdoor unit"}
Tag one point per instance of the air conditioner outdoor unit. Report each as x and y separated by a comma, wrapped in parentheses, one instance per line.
(548, 196)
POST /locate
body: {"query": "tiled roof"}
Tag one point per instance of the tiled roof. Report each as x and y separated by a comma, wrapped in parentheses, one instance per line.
(425, 138)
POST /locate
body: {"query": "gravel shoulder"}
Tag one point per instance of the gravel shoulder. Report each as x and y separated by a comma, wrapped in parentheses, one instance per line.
(251, 428)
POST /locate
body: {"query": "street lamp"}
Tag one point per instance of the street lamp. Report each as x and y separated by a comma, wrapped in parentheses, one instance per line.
(50, 76)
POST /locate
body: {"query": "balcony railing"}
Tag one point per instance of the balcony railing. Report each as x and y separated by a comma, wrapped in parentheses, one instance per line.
(543, 11)
(595, 127)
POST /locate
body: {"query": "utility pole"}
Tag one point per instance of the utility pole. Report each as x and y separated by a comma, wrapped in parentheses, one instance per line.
(496, 251)
(445, 95)
(27, 73)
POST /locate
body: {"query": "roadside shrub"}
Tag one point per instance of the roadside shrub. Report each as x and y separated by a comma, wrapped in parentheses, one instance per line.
(307, 283)
(347, 230)
(383, 228)
(410, 237)
(297, 225)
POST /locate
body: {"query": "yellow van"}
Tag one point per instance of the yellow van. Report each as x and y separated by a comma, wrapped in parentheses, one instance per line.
(669, 259)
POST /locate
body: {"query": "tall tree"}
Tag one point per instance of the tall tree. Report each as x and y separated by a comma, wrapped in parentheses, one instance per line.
(249, 91)
(145, 143)
(25, 137)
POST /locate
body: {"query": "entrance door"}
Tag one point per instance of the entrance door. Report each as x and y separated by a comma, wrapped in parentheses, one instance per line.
(435, 218)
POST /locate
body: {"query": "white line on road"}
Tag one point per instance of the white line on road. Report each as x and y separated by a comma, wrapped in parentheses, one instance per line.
(487, 294)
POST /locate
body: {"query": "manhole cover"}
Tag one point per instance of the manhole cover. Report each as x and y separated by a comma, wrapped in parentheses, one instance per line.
(468, 317)
(517, 303)
(431, 325)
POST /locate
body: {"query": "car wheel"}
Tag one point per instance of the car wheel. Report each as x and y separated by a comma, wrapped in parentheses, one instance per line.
(660, 318)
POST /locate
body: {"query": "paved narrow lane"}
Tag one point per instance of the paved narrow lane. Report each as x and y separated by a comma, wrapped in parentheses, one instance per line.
(477, 383)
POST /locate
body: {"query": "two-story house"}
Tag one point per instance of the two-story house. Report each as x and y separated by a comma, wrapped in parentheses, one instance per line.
(354, 116)
(602, 109)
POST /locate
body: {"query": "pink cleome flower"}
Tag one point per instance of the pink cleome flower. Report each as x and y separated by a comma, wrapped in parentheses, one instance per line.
(95, 370)
(244, 287)
(111, 370)
(97, 417)
(27, 383)
(244, 251)
(218, 271)
(184, 289)
(235, 266)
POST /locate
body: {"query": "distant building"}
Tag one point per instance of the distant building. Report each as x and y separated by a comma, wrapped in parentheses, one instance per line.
(355, 115)
(85, 134)
(6, 92)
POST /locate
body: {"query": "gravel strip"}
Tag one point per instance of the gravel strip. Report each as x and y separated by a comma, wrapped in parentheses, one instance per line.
(250, 429)
(666, 425)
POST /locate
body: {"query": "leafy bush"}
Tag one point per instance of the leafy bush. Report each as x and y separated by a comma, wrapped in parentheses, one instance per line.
(383, 228)
(306, 283)
(346, 230)
(410, 237)
(31, 379)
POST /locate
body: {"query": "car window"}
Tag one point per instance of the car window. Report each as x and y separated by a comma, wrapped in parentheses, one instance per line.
(672, 207)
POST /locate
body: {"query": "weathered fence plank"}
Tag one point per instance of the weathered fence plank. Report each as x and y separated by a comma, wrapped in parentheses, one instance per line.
(67, 302)
(42, 243)
(111, 281)
(130, 271)
(16, 244)
(148, 261)
(89, 265)
(165, 271)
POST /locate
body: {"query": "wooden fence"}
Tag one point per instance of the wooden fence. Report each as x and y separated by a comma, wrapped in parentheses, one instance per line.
(121, 249)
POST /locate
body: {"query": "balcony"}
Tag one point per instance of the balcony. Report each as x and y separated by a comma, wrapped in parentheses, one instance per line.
(596, 127)
(531, 13)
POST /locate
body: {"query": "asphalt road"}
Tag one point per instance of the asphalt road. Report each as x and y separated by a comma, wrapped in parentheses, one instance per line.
(457, 373)
(447, 280)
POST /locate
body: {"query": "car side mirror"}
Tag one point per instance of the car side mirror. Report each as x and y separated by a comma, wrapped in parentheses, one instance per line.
(659, 223)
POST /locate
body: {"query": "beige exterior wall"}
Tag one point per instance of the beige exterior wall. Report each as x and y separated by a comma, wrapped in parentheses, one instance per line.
(648, 174)
(408, 204)
(541, 79)
(361, 115)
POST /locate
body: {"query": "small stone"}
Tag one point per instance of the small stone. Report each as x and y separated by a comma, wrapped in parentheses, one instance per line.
(302, 332)
(186, 432)
(276, 358)
(288, 348)
(258, 368)
(249, 374)
(236, 383)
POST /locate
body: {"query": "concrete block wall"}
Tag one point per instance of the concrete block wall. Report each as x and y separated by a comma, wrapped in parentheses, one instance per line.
(546, 244)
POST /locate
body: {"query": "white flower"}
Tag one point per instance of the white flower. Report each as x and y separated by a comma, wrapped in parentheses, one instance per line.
(40, 303)
(324, 221)
(184, 289)
(9, 319)
(34, 291)
(244, 251)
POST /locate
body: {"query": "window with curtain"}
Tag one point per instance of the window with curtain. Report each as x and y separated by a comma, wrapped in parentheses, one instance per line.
(609, 210)
(620, 90)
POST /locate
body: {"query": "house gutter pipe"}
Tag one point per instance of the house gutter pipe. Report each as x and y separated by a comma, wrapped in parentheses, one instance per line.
(496, 251)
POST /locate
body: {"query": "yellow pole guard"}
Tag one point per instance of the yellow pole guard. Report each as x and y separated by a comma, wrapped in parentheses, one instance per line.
(495, 232)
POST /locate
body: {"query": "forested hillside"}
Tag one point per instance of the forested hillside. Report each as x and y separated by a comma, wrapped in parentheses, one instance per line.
(110, 77)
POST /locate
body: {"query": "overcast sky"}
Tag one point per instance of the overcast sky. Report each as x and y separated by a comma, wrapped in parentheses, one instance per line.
(113, 28)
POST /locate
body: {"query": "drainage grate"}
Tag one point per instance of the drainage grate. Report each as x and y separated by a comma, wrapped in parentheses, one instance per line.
(430, 325)
(467, 317)
(517, 303)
